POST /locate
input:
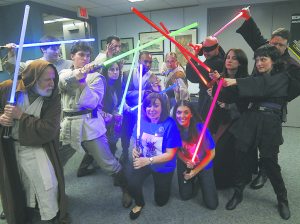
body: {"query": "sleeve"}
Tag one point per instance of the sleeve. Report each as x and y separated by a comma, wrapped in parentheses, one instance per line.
(35, 131)
(173, 139)
(92, 95)
(228, 94)
(192, 75)
(251, 34)
(67, 80)
(208, 141)
(101, 57)
(132, 95)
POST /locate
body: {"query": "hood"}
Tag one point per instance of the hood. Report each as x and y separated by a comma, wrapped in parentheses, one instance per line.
(34, 71)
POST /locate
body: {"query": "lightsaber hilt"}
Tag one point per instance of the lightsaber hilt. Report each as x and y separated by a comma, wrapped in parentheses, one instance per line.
(7, 132)
(7, 129)
(138, 146)
(214, 81)
(188, 170)
(97, 67)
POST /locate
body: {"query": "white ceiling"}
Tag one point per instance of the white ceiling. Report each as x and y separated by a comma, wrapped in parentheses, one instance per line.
(115, 7)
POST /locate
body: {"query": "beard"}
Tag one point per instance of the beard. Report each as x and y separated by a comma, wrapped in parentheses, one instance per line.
(42, 92)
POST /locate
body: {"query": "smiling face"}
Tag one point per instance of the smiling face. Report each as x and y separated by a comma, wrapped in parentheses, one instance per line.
(153, 111)
(263, 64)
(146, 61)
(115, 46)
(183, 116)
(171, 62)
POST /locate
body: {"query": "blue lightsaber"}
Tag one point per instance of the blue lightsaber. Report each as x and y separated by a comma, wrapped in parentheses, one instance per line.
(19, 55)
(128, 79)
(161, 92)
(54, 43)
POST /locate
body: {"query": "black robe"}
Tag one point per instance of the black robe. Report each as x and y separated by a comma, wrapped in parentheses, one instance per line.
(254, 38)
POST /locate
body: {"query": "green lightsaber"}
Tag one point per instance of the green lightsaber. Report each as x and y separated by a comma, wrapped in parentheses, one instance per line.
(174, 33)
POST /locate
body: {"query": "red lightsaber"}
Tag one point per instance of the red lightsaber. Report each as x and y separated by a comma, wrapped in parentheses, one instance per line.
(180, 47)
(211, 108)
(186, 56)
(230, 22)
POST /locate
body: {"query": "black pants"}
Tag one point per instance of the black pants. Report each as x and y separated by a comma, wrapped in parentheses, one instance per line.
(205, 179)
(129, 121)
(269, 162)
(162, 185)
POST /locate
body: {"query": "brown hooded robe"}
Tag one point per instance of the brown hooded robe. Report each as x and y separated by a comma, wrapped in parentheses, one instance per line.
(43, 131)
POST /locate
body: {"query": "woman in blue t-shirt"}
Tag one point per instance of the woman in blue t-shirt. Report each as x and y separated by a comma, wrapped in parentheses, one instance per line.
(200, 171)
(158, 143)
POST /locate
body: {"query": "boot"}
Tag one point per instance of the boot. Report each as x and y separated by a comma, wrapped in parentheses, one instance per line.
(120, 178)
(283, 206)
(236, 199)
(126, 198)
(84, 167)
(260, 180)
(2, 215)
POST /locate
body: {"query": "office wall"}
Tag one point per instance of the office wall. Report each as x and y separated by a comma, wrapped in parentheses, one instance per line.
(268, 16)
(11, 24)
(129, 25)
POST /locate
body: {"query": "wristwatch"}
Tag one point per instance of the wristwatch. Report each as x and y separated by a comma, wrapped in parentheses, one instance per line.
(151, 160)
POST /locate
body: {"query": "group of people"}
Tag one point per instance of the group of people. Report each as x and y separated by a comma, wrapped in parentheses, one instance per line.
(63, 106)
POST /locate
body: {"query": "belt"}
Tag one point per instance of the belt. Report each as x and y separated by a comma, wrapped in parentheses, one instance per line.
(81, 112)
(267, 109)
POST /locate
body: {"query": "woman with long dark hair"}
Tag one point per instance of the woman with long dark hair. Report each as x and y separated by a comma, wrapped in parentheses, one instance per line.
(201, 171)
(261, 126)
(235, 66)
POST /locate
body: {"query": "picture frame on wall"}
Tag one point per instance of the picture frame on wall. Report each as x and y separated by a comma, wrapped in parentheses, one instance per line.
(157, 62)
(146, 37)
(184, 38)
(103, 45)
(126, 45)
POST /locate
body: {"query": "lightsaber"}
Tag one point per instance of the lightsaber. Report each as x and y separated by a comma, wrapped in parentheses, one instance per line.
(229, 23)
(19, 55)
(294, 52)
(161, 92)
(7, 130)
(54, 43)
(180, 47)
(186, 56)
(211, 108)
(174, 33)
(128, 79)
(138, 127)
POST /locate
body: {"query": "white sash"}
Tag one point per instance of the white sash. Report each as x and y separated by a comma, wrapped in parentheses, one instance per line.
(44, 164)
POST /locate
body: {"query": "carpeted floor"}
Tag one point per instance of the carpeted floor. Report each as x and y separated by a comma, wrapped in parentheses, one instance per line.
(94, 199)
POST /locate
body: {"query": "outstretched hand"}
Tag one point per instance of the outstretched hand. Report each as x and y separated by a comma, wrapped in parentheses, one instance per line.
(246, 13)
(229, 82)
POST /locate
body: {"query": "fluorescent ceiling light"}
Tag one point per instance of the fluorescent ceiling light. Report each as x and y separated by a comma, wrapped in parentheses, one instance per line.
(56, 20)
(135, 0)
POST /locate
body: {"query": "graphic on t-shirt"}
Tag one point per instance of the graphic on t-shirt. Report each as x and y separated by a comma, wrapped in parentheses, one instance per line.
(151, 145)
(188, 150)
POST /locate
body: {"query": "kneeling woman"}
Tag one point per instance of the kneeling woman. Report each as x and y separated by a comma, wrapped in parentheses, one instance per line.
(159, 141)
(190, 128)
